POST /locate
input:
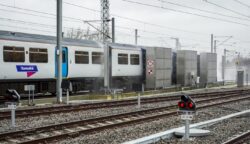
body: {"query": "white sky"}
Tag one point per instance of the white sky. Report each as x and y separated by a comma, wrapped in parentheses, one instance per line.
(200, 40)
(193, 31)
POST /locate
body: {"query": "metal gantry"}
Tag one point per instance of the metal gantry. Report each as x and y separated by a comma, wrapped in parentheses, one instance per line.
(59, 51)
(105, 20)
(105, 38)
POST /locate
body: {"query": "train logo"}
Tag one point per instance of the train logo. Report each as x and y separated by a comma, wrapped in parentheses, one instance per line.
(29, 69)
(150, 63)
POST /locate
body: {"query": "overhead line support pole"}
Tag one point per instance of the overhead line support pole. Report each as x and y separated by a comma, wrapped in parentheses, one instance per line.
(215, 45)
(59, 51)
(113, 30)
(212, 43)
(136, 36)
(105, 36)
(224, 66)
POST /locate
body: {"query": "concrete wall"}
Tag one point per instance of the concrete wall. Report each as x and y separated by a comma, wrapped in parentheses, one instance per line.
(208, 68)
(186, 67)
(159, 67)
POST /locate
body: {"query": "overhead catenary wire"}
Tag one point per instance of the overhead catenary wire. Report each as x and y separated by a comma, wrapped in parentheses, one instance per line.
(156, 33)
(53, 32)
(248, 6)
(131, 19)
(68, 27)
(224, 41)
(45, 13)
(33, 23)
(185, 12)
(19, 12)
(134, 20)
(36, 15)
(28, 28)
(97, 11)
(53, 26)
(202, 10)
(233, 11)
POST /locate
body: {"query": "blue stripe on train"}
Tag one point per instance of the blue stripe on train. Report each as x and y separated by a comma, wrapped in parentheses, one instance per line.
(64, 62)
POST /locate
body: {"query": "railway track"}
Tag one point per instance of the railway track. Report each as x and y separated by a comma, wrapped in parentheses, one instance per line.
(81, 107)
(87, 126)
(240, 139)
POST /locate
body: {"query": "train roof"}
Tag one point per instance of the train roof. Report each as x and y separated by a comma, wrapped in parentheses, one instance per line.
(124, 46)
(18, 36)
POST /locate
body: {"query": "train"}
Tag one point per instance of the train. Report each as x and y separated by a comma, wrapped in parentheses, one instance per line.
(30, 59)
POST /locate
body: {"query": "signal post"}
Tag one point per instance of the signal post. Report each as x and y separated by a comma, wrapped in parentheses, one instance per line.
(187, 109)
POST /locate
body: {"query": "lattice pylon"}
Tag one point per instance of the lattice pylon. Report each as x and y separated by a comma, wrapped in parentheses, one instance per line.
(105, 20)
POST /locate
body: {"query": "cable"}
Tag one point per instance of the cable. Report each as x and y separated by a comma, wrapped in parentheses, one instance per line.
(36, 24)
(161, 34)
(26, 13)
(227, 9)
(117, 16)
(122, 17)
(52, 18)
(27, 28)
(26, 22)
(224, 41)
(53, 26)
(189, 13)
(248, 6)
(201, 10)
(46, 13)
(134, 20)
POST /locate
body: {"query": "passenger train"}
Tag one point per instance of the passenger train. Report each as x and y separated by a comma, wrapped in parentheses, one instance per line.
(31, 59)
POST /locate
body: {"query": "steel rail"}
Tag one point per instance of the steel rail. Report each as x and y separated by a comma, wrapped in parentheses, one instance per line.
(240, 139)
(81, 107)
(96, 124)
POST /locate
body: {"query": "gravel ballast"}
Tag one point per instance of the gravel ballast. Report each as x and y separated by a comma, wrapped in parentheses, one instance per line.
(127, 133)
(38, 121)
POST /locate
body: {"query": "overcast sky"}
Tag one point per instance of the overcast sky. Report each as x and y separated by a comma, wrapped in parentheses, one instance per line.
(156, 23)
(193, 31)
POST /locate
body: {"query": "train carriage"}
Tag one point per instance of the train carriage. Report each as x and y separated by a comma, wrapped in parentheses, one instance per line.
(127, 66)
(31, 59)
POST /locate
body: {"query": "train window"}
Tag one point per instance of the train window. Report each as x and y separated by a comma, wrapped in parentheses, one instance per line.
(38, 55)
(96, 57)
(134, 59)
(13, 54)
(63, 57)
(81, 57)
(122, 58)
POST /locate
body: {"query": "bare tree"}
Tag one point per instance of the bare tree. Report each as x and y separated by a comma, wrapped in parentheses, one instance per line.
(82, 34)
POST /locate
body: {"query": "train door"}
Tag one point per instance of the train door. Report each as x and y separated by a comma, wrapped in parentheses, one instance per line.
(64, 62)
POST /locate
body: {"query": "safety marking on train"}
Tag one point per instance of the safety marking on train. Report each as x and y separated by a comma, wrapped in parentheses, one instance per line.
(150, 71)
(150, 63)
(29, 69)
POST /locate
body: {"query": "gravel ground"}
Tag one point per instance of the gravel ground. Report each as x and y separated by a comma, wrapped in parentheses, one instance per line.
(31, 122)
(127, 133)
(196, 91)
(38, 121)
(220, 132)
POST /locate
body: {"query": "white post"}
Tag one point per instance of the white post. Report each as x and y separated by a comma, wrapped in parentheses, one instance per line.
(12, 107)
(33, 103)
(186, 137)
(139, 101)
(142, 88)
(29, 96)
(67, 96)
(247, 78)
(59, 50)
